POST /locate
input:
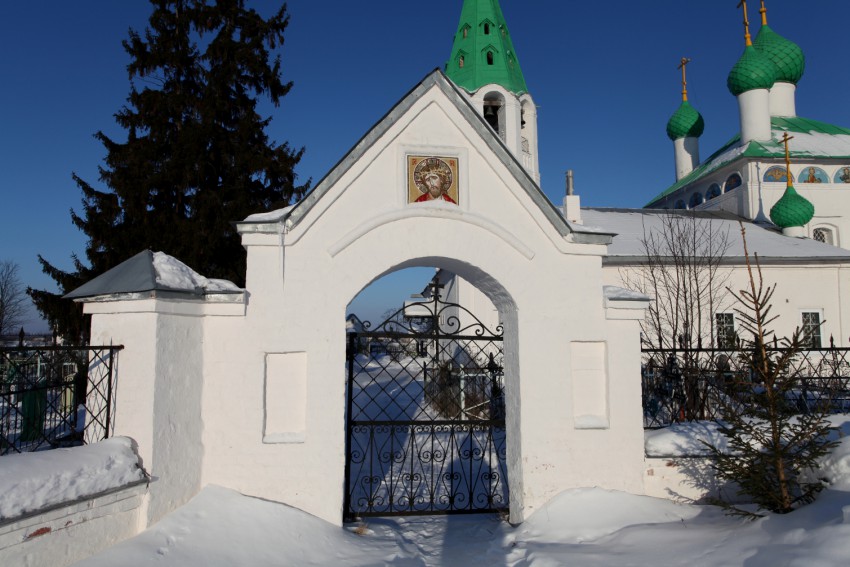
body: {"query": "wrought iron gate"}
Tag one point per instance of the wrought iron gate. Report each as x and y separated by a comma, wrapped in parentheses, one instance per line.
(426, 414)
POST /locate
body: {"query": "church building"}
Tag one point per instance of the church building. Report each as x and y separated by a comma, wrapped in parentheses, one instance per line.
(267, 390)
(747, 176)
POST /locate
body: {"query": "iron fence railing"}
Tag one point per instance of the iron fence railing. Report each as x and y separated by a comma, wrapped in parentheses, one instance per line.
(56, 396)
(682, 385)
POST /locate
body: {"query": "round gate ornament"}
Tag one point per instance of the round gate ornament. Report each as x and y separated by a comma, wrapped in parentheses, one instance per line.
(434, 179)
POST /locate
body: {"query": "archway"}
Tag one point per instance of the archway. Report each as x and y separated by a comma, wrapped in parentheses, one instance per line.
(425, 414)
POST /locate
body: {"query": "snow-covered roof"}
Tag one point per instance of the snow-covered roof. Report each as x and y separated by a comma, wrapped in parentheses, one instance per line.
(812, 140)
(615, 293)
(152, 271)
(630, 226)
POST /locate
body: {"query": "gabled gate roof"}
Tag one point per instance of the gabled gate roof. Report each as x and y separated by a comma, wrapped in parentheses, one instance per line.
(292, 216)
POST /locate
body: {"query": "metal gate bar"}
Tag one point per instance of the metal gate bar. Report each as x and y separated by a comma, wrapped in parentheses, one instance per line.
(426, 417)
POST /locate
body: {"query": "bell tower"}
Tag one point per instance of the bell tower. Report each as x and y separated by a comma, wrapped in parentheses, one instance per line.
(484, 65)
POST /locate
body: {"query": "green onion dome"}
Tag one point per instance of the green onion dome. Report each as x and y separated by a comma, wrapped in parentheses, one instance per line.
(785, 54)
(752, 71)
(792, 210)
(686, 122)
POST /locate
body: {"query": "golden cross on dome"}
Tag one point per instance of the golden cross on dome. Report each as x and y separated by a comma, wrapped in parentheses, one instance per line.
(785, 139)
(747, 38)
(763, 13)
(682, 66)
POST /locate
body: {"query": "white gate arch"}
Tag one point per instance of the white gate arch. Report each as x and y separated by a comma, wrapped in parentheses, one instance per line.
(262, 371)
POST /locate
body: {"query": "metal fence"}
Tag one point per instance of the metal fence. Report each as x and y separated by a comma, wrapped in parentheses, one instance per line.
(692, 384)
(56, 396)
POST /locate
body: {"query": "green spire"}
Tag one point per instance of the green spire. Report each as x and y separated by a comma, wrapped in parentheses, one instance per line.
(786, 55)
(752, 71)
(792, 209)
(482, 52)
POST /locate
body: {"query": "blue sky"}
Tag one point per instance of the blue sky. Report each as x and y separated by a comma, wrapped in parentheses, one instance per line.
(604, 79)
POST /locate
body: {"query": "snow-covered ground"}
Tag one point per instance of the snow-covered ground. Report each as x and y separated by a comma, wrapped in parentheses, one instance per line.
(579, 527)
(584, 527)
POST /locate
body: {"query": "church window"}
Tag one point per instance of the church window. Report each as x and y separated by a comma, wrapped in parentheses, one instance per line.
(842, 175)
(680, 204)
(460, 62)
(494, 105)
(713, 191)
(486, 28)
(811, 332)
(696, 200)
(465, 32)
(824, 235)
(489, 57)
(726, 335)
(777, 174)
(733, 182)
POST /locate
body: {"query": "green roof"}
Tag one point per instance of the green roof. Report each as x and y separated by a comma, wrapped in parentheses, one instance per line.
(686, 122)
(786, 55)
(753, 70)
(812, 139)
(482, 52)
(792, 209)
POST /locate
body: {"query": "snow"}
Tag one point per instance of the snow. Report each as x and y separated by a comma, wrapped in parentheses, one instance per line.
(615, 293)
(581, 527)
(270, 216)
(632, 225)
(174, 274)
(816, 144)
(32, 481)
(684, 440)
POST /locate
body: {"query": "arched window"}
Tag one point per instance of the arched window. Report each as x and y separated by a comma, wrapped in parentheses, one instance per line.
(824, 235)
(680, 204)
(465, 32)
(713, 191)
(733, 182)
(842, 175)
(812, 174)
(489, 57)
(460, 61)
(777, 174)
(486, 28)
(494, 108)
(696, 200)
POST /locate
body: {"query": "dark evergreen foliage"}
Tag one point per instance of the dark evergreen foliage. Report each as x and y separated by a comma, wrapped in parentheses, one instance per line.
(776, 431)
(196, 156)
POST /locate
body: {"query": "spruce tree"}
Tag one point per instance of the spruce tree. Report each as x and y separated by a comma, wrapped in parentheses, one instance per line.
(775, 434)
(196, 156)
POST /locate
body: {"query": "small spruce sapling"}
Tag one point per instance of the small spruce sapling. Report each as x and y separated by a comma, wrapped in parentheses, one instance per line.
(773, 446)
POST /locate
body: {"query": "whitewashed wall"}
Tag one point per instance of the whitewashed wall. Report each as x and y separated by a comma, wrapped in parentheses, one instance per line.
(800, 287)
(257, 402)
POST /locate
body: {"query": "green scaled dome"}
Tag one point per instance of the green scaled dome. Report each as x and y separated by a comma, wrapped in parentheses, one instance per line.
(752, 71)
(786, 55)
(686, 122)
(792, 210)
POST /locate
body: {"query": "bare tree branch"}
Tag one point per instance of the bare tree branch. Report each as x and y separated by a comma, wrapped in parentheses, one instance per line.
(682, 271)
(12, 298)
